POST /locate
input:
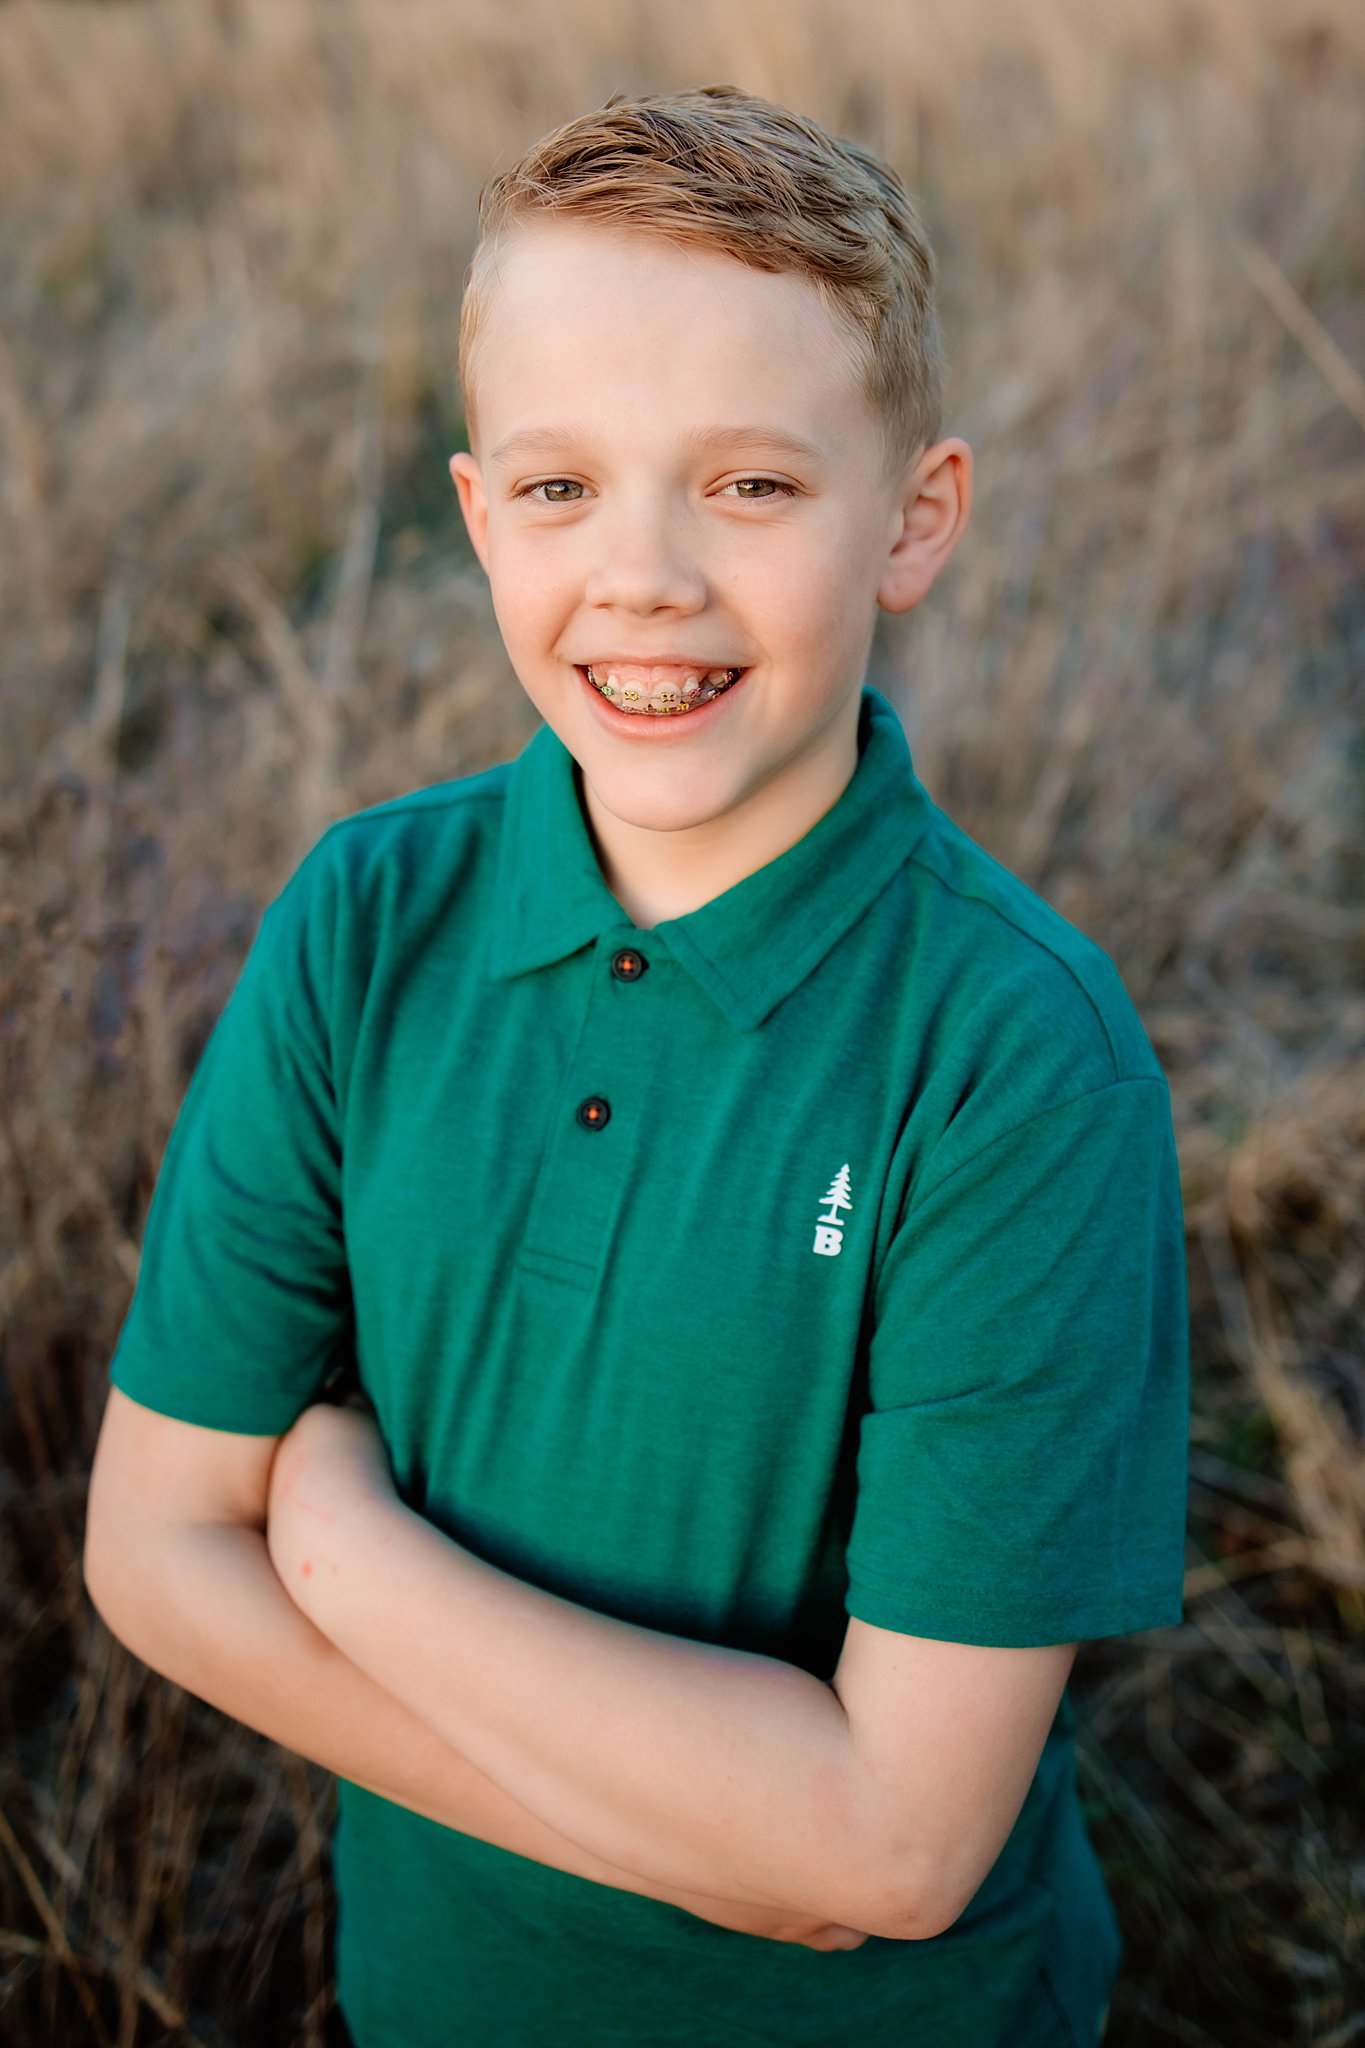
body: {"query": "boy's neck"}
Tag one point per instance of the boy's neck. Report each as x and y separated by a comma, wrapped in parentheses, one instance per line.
(656, 875)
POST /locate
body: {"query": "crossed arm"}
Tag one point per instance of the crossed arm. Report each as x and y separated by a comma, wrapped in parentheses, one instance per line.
(176, 1563)
(284, 1581)
(710, 1770)
(879, 1801)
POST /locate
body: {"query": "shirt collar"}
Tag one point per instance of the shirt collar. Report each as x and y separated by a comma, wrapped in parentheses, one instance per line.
(748, 947)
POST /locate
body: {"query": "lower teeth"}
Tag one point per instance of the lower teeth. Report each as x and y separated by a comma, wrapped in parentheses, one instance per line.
(705, 695)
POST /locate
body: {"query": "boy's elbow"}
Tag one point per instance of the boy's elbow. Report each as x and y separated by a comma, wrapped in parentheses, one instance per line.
(893, 1916)
(128, 1564)
(899, 1907)
(154, 1484)
(874, 1884)
(115, 1582)
(142, 1583)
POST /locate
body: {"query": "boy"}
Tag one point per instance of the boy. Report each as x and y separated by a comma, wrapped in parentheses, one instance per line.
(754, 1215)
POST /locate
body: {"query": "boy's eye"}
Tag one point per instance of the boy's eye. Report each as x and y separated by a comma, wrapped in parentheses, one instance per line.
(551, 484)
(556, 483)
(770, 482)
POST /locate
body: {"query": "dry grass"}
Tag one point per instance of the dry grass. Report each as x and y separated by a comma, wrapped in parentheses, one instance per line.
(236, 601)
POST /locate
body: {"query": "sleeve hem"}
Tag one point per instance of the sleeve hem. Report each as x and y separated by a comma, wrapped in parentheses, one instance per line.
(239, 1414)
(968, 1620)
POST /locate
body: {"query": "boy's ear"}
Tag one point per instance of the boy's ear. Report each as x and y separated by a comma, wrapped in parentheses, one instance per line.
(927, 523)
(464, 471)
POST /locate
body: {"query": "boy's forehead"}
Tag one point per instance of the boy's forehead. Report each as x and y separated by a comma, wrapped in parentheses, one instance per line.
(584, 254)
(582, 310)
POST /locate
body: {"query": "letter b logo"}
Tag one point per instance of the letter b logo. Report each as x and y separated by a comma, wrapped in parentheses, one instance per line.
(827, 1240)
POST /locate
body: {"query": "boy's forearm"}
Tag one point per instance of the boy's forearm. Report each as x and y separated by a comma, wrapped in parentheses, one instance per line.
(214, 1618)
(710, 1768)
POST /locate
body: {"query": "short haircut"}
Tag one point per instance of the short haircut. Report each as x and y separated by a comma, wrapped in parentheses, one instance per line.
(717, 166)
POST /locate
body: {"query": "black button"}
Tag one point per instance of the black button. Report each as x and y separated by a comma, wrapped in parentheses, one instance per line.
(593, 1112)
(628, 965)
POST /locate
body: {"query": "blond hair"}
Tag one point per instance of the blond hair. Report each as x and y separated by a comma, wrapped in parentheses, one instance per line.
(718, 166)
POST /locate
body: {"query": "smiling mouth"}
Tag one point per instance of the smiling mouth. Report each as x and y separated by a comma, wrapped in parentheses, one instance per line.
(663, 700)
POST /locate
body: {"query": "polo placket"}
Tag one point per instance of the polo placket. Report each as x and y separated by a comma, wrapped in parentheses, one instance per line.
(592, 1151)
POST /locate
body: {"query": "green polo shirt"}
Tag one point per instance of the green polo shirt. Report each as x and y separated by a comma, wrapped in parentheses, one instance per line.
(818, 1253)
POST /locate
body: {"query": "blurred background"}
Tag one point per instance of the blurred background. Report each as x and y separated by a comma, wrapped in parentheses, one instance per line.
(237, 601)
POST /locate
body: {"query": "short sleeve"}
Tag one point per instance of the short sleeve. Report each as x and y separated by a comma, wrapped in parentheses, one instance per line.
(242, 1303)
(1023, 1458)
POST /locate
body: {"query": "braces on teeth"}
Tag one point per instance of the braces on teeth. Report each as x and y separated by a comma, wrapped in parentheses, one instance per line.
(667, 699)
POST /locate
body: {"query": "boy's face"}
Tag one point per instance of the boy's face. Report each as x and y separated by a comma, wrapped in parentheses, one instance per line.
(648, 523)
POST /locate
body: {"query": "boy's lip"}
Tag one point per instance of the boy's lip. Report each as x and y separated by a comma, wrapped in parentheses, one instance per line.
(690, 663)
(658, 728)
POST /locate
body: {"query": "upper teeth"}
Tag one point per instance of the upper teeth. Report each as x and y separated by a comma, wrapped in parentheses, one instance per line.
(660, 689)
(645, 679)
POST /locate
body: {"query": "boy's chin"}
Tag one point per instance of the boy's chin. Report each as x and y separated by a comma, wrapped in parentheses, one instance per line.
(673, 798)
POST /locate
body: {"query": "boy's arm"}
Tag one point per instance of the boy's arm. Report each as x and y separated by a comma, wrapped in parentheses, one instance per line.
(713, 1768)
(197, 1599)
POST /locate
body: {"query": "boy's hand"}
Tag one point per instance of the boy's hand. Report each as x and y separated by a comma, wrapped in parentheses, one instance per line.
(328, 1461)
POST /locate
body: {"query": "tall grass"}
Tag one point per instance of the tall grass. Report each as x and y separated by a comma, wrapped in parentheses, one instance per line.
(236, 601)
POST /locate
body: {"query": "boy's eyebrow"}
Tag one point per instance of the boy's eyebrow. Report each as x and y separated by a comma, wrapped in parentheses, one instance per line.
(702, 439)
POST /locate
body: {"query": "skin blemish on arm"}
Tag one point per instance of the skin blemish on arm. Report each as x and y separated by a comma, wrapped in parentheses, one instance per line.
(307, 1567)
(309, 1508)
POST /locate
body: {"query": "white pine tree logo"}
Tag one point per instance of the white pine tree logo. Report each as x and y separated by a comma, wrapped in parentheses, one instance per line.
(829, 1236)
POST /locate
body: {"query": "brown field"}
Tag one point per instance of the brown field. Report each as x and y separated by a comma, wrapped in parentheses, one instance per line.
(236, 601)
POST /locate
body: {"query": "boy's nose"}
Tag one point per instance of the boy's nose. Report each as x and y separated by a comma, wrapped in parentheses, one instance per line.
(644, 563)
